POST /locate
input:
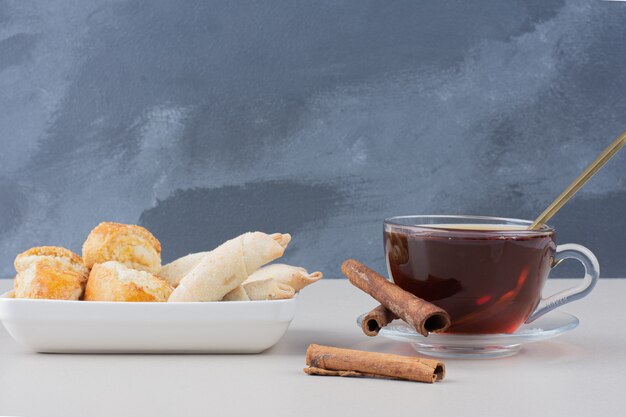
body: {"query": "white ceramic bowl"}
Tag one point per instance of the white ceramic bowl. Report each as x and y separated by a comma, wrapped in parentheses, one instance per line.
(107, 327)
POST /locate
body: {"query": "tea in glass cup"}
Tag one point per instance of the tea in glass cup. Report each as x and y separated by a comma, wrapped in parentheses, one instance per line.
(486, 272)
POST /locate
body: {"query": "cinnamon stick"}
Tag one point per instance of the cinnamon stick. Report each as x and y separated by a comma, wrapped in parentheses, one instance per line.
(332, 361)
(376, 319)
(420, 314)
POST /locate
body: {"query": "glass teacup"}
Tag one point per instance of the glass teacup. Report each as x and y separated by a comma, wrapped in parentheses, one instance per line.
(486, 272)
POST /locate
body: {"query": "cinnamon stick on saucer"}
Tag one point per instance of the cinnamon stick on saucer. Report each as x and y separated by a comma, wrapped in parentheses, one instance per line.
(332, 361)
(376, 320)
(422, 315)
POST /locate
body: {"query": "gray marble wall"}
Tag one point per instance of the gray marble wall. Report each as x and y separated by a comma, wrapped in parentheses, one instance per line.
(204, 119)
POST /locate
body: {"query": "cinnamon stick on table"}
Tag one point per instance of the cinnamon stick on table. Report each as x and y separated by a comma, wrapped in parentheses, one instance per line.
(376, 320)
(332, 361)
(422, 315)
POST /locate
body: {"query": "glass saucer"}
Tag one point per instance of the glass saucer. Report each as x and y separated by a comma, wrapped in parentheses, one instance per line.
(463, 346)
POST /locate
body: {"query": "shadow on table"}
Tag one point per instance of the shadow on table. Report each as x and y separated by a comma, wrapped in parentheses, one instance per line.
(552, 352)
(295, 342)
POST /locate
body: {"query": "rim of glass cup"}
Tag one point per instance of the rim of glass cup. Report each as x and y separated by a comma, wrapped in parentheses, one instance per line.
(412, 224)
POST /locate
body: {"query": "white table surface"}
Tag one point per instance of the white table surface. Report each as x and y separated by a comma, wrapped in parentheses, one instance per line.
(578, 374)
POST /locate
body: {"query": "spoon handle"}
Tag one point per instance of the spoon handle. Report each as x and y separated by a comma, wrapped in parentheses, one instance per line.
(577, 184)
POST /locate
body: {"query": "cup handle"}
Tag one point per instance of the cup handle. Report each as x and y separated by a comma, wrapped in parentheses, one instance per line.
(592, 273)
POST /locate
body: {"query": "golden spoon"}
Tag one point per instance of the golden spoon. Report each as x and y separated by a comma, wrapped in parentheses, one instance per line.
(577, 184)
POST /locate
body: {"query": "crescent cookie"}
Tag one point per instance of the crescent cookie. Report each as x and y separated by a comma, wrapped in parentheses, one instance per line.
(294, 276)
(131, 245)
(268, 289)
(227, 266)
(113, 281)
